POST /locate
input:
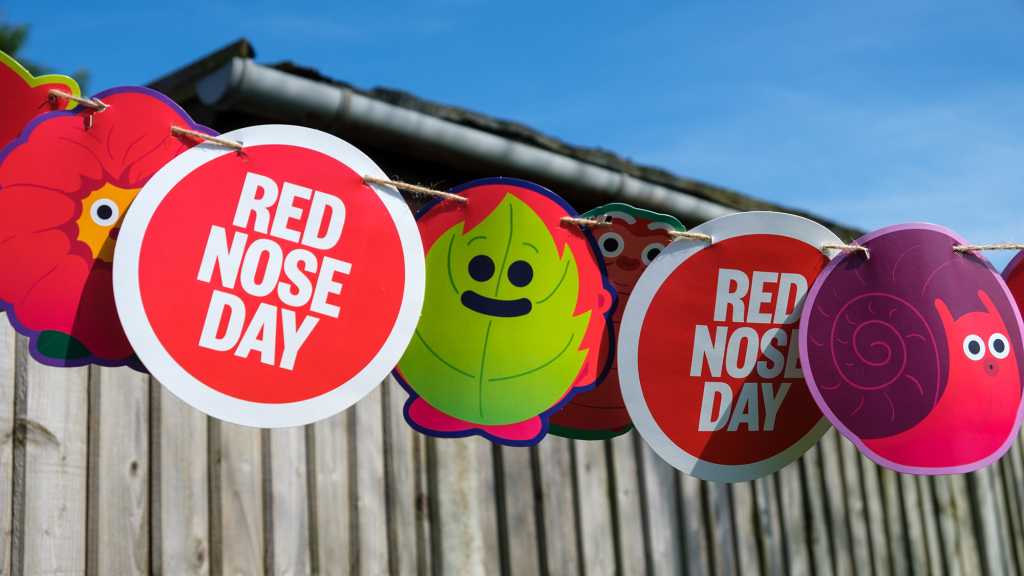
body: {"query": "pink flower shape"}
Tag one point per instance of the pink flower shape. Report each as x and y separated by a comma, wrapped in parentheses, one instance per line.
(65, 185)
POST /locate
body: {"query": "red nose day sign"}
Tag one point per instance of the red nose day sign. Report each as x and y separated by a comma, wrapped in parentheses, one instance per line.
(708, 349)
(271, 287)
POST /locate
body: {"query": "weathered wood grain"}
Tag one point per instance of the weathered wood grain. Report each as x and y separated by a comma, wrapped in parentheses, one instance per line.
(720, 530)
(695, 530)
(118, 536)
(466, 530)
(7, 387)
(238, 523)
(55, 430)
(558, 506)
(832, 474)
(289, 501)
(371, 494)
(597, 538)
(520, 517)
(877, 527)
(664, 533)
(628, 503)
(181, 533)
(897, 530)
(748, 525)
(856, 510)
(332, 517)
(400, 464)
(794, 515)
(931, 523)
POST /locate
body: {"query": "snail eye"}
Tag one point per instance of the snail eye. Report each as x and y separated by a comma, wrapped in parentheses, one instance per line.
(611, 244)
(999, 346)
(520, 273)
(481, 268)
(104, 212)
(651, 252)
(974, 347)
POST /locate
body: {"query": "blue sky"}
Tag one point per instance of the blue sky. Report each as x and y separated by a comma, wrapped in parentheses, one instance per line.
(871, 113)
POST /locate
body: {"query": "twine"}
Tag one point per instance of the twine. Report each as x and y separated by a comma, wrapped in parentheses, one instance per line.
(416, 189)
(848, 248)
(964, 248)
(586, 222)
(178, 131)
(698, 236)
(94, 103)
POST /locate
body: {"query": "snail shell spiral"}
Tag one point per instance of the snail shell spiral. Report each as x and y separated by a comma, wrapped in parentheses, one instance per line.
(885, 360)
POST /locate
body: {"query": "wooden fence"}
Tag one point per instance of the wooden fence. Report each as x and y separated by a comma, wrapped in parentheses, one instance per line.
(103, 472)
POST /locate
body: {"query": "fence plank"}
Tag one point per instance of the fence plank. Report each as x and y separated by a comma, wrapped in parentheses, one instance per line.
(289, 504)
(370, 497)
(182, 477)
(770, 516)
(554, 462)
(521, 537)
(118, 538)
(467, 526)
(931, 525)
(946, 512)
(791, 491)
(628, 502)
(832, 472)
(401, 474)
(661, 502)
(878, 531)
(55, 425)
(970, 556)
(595, 513)
(898, 545)
(856, 513)
(747, 522)
(991, 502)
(723, 545)
(820, 541)
(1014, 508)
(695, 535)
(332, 491)
(7, 386)
(239, 535)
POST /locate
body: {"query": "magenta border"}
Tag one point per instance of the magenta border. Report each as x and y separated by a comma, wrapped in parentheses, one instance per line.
(826, 410)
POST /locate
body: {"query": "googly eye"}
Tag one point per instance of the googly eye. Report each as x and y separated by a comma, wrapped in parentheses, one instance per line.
(651, 252)
(105, 212)
(999, 345)
(611, 244)
(974, 347)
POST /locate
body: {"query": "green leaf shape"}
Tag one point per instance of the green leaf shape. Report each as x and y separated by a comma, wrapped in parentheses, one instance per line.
(494, 370)
(60, 346)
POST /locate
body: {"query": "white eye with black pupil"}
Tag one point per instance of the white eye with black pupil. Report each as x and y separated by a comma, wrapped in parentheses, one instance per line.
(651, 252)
(999, 346)
(974, 347)
(104, 212)
(611, 244)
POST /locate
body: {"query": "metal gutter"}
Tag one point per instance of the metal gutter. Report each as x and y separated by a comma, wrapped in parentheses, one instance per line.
(242, 84)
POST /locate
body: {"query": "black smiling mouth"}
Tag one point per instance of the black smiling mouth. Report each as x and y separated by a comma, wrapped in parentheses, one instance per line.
(495, 307)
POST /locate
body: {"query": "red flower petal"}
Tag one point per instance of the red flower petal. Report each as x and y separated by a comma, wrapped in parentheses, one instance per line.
(53, 301)
(29, 208)
(26, 259)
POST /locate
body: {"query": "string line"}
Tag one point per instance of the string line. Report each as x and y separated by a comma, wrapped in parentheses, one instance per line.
(964, 248)
(94, 103)
(416, 189)
(586, 222)
(848, 248)
(685, 235)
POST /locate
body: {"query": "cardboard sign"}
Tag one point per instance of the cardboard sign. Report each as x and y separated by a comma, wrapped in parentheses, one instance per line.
(270, 287)
(1014, 277)
(27, 96)
(708, 357)
(516, 308)
(65, 185)
(632, 242)
(915, 354)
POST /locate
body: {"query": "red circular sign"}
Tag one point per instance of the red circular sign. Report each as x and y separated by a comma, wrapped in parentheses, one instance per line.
(709, 349)
(272, 277)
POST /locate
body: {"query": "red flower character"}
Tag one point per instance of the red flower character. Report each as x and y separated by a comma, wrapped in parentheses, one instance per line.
(65, 185)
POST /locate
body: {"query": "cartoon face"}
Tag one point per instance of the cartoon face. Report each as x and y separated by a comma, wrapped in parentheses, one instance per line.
(979, 347)
(628, 246)
(505, 332)
(102, 213)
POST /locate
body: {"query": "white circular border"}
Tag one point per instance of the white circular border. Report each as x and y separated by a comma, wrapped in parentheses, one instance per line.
(208, 400)
(723, 228)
